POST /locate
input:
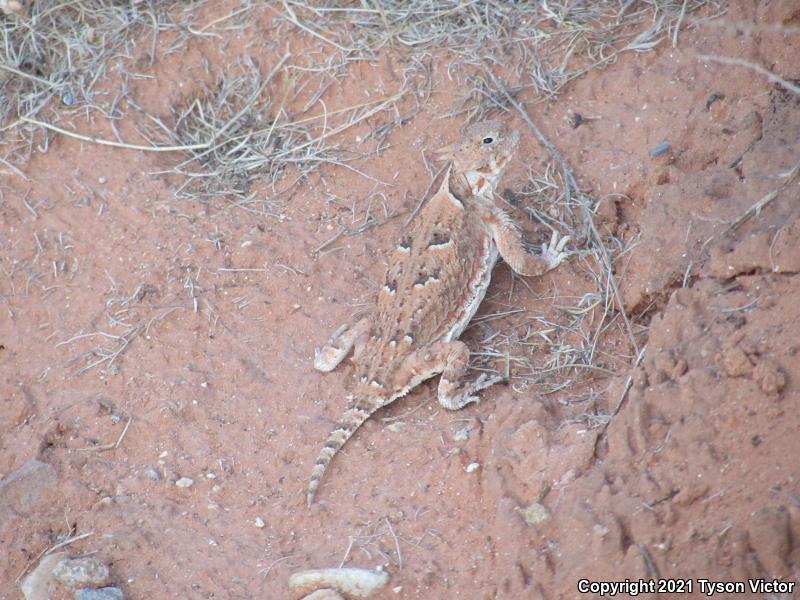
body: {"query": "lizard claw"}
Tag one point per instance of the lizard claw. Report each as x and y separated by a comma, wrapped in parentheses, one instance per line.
(554, 253)
(484, 381)
(329, 356)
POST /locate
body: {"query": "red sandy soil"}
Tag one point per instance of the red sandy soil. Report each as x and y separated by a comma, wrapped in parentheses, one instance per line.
(696, 476)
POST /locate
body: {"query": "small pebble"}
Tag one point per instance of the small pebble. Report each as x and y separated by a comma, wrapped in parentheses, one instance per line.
(184, 482)
(259, 522)
(101, 180)
(713, 98)
(106, 593)
(462, 434)
(535, 513)
(103, 503)
(472, 467)
(575, 120)
(152, 473)
(662, 148)
(325, 594)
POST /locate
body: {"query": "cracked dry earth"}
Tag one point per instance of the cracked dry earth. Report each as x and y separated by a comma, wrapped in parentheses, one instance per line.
(697, 474)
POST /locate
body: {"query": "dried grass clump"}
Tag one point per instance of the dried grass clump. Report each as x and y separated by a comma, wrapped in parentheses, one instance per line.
(234, 127)
(547, 44)
(241, 129)
(53, 53)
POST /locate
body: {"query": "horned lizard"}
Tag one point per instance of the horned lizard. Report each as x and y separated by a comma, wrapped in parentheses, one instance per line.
(437, 277)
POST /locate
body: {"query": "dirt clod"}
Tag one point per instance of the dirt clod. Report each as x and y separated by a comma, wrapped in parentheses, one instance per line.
(769, 376)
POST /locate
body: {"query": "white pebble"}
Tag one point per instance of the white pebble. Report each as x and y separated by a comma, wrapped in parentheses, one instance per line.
(356, 583)
(535, 513)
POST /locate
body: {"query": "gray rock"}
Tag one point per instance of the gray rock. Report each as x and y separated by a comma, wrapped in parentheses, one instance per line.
(24, 490)
(35, 586)
(106, 593)
(81, 571)
(660, 149)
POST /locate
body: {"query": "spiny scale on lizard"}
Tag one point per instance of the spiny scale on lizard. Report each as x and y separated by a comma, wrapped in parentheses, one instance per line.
(437, 276)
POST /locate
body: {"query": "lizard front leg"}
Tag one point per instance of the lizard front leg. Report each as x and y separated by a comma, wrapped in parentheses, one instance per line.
(342, 341)
(508, 238)
(451, 359)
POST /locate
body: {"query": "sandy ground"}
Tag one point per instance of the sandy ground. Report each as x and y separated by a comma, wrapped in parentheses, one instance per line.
(218, 311)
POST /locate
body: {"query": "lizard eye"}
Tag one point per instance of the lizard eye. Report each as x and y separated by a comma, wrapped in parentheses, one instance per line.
(488, 140)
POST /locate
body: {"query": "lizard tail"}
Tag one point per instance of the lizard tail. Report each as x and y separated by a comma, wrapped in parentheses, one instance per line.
(352, 419)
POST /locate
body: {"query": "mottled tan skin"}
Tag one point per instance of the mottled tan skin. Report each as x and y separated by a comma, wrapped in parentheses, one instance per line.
(437, 276)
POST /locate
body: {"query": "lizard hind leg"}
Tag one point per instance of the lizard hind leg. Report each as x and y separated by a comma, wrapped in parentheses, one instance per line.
(451, 359)
(352, 419)
(339, 345)
(455, 393)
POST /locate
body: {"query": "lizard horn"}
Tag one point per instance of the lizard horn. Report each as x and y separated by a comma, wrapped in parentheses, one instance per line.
(446, 153)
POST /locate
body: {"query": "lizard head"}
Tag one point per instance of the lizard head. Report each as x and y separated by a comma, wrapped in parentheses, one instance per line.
(482, 155)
